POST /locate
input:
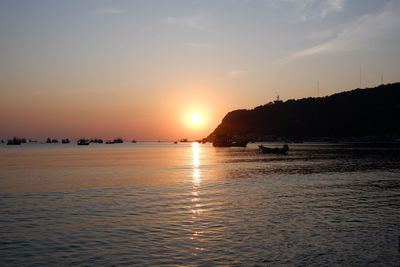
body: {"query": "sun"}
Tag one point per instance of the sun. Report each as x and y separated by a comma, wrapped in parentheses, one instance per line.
(195, 119)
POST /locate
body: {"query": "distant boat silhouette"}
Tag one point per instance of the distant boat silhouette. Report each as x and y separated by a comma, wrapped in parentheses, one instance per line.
(118, 141)
(225, 141)
(242, 143)
(133, 141)
(267, 150)
(65, 141)
(83, 142)
(14, 141)
(222, 141)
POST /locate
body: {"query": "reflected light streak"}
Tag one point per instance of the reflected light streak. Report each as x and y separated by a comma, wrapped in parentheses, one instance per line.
(196, 205)
(196, 154)
(196, 179)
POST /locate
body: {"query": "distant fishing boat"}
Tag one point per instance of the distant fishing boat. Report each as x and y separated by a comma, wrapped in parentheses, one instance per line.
(268, 150)
(65, 141)
(83, 142)
(242, 143)
(224, 141)
(118, 141)
(14, 141)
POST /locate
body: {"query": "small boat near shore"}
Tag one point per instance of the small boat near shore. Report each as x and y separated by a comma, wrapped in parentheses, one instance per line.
(221, 143)
(225, 141)
(83, 142)
(268, 150)
(242, 143)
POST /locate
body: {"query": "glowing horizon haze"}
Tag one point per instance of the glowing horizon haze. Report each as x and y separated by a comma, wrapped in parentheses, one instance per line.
(142, 69)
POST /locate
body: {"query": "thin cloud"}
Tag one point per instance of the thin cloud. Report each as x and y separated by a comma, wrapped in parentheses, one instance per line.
(331, 6)
(198, 22)
(364, 33)
(106, 11)
(235, 73)
(305, 10)
(198, 45)
(227, 76)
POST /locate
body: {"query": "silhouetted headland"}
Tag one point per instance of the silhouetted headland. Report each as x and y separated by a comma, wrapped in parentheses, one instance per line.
(370, 114)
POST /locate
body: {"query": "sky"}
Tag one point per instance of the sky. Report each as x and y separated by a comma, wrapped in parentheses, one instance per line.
(141, 69)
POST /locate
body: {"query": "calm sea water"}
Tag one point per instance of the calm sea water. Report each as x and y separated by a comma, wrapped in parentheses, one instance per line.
(196, 205)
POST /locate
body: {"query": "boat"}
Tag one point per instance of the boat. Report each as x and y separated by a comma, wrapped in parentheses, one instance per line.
(118, 141)
(134, 141)
(14, 141)
(268, 150)
(222, 143)
(110, 142)
(225, 141)
(65, 141)
(242, 143)
(83, 142)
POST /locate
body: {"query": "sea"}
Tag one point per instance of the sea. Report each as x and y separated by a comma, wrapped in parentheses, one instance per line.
(190, 204)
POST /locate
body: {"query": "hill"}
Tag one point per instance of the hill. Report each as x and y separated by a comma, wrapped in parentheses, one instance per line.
(360, 112)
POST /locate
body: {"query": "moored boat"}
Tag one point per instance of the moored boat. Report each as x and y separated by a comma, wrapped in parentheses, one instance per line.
(226, 141)
(83, 142)
(14, 141)
(242, 143)
(222, 143)
(268, 150)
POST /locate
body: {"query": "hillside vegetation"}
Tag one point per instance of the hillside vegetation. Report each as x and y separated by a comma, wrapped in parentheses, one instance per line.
(360, 112)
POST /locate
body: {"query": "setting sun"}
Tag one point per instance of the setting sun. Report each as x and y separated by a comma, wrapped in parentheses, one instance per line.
(195, 119)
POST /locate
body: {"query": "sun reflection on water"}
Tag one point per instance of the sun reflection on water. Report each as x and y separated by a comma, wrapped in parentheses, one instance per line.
(196, 164)
(196, 181)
